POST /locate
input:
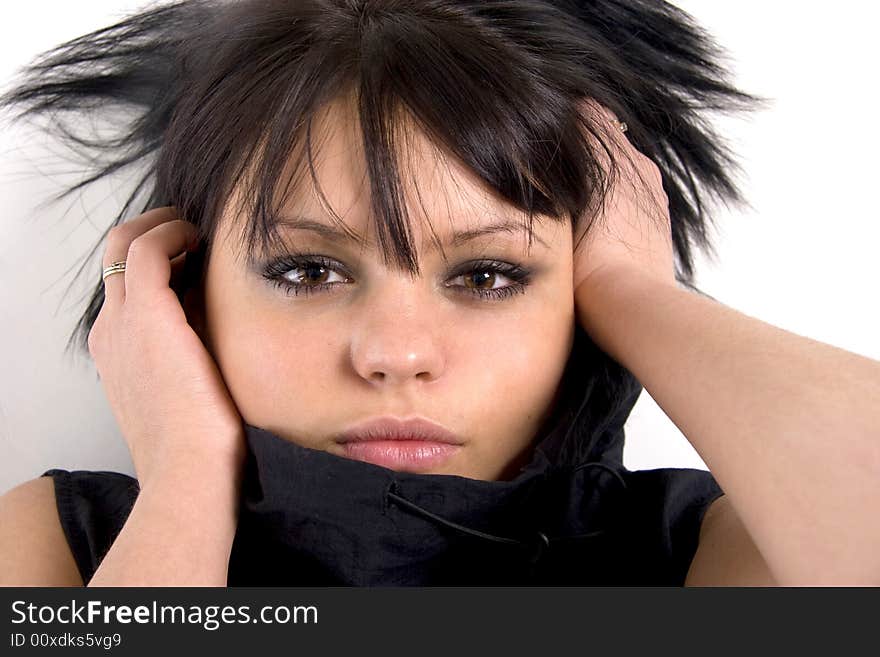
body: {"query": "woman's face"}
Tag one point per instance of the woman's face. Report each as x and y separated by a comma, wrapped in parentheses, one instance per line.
(369, 340)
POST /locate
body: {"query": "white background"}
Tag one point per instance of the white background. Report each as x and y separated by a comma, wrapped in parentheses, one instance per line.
(804, 259)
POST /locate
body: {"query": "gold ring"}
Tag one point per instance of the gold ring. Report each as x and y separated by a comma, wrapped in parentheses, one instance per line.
(115, 268)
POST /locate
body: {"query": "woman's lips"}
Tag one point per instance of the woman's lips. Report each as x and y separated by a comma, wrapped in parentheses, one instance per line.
(402, 455)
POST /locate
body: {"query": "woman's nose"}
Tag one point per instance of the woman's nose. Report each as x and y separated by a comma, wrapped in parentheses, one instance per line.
(391, 348)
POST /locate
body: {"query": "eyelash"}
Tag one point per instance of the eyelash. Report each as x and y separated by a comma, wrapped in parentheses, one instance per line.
(275, 270)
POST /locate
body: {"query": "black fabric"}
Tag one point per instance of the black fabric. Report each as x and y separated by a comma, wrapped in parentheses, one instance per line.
(93, 506)
(311, 518)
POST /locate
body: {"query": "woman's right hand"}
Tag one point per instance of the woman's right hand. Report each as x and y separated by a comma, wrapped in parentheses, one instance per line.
(165, 390)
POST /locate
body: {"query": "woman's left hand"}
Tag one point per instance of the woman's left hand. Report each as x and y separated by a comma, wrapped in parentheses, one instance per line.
(632, 229)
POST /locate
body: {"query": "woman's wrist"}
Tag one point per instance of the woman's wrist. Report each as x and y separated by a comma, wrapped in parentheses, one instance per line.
(192, 487)
(209, 467)
(603, 297)
(180, 531)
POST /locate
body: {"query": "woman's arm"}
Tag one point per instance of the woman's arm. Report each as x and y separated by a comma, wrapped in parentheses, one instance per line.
(789, 426)
(184, 431)
(179, 532)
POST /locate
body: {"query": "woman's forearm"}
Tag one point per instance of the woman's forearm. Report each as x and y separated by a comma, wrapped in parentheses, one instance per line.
(789, 426)
(179, 533)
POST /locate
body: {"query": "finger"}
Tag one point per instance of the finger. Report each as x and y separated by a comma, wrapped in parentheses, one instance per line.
(639, 172)
(148, 271)
(606, 133)
(118, 241)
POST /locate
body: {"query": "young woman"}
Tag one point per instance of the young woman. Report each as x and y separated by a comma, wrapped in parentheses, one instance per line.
(402, 270)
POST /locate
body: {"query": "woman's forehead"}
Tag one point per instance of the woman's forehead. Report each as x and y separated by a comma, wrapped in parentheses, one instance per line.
(500, 226)
(446, 204)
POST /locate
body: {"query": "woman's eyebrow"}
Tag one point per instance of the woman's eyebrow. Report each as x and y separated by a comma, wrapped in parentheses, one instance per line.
(501, 225)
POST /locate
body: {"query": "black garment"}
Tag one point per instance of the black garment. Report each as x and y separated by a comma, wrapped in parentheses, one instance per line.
(311, 518)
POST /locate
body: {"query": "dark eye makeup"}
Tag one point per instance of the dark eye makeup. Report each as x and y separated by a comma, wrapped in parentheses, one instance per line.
(315, 270)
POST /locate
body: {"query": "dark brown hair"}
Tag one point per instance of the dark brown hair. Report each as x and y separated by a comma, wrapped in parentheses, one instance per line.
(221, 94)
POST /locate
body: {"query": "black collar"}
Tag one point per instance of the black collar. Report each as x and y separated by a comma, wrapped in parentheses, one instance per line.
(309, 517)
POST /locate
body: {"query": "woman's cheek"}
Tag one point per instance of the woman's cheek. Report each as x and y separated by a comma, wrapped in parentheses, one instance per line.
(526, 366)
(270, 368)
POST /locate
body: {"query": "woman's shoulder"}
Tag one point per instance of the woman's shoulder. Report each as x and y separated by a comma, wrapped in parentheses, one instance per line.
(79, 513)
(98, 497)
(671, 493)
(93, 506)
(110, 490)
(33, 547)
(664, 501)
(666, 510)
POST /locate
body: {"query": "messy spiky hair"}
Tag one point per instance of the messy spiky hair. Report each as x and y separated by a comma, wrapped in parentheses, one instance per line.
(221, 96)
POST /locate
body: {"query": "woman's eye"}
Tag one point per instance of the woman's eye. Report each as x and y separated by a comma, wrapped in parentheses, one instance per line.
(491, 282)
(300, 275)
(486, 279)
(312, 274)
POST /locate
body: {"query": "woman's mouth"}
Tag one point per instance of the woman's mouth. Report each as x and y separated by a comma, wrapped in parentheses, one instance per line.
(415, 444)
(403, 455)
